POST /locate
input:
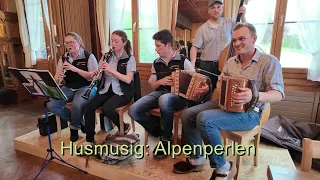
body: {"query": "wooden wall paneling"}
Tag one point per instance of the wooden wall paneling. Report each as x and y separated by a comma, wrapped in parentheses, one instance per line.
(316, 110)
(77, 19)
(179, 34)
(318, 114)
(145, 71)
(297, 105)
(194, 29)
(187, 33)
(95, 40)
(135, 30)
(57, 32)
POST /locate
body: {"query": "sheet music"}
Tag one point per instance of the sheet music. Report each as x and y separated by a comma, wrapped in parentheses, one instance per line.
(38, 82)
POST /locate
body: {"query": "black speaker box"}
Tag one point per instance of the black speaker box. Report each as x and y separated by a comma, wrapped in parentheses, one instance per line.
(52, 124)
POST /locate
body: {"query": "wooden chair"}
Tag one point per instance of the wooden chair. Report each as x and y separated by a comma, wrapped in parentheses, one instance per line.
(58, 120)
(121, 110)
(242, 137)
(310, 149)
(177, 114)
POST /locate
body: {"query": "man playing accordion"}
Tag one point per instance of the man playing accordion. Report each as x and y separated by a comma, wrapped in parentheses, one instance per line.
(203, 122)
(161, 81)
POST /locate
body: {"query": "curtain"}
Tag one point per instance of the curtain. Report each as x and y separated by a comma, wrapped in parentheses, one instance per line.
(34, 26)
(167, 14)
(103, 14)
(230, 8)
(309, 22)
(24, 34)
(46, 13)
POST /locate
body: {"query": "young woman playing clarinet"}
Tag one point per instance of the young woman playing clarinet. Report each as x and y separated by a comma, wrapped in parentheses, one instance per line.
(75, 68)
(116, 87)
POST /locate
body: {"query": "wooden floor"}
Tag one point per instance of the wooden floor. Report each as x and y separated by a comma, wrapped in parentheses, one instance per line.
(16, 165)
(19, 165)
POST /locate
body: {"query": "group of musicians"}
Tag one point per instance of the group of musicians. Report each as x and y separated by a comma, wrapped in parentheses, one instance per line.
(201, 120)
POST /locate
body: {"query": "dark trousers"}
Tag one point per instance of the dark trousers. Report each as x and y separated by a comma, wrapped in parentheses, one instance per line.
(212, 67)
(109, 102)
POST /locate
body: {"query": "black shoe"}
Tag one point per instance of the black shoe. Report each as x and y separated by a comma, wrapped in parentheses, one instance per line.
(157, 132)
(74, 136)
(83, 130)
(184, 167)
(162, 149)
(227, 175)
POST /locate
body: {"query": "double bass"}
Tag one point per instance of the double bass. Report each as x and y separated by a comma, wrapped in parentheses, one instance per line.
(229, 51)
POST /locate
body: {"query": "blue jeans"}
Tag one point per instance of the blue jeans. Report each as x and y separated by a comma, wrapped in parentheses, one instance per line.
(75, 116)
(168, 104)
(205, 120)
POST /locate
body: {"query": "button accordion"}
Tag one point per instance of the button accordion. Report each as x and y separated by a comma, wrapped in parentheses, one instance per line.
(229, 86)
(185, 83)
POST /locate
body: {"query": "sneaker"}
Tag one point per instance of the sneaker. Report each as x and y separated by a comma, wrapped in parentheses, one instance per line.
(227, 175)
(74, 136)
(184, 167)
(158, 152)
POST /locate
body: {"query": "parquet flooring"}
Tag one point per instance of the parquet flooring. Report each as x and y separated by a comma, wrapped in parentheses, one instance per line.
(16, 165)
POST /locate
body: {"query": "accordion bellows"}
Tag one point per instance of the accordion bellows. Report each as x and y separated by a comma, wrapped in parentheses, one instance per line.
(185, 83)
(228, 87)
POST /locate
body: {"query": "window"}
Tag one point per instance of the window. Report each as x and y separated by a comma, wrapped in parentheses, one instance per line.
(35, 22)
(121, 17)
(285, 38)
(263, 23)
(293, 54)
(124, 16)
(148, 25)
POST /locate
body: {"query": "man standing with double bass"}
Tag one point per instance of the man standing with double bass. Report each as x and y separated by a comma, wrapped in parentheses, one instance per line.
(212, 37)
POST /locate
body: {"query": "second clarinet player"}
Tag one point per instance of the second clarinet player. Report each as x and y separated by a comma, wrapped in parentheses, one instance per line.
(77, 73)
(116, 88)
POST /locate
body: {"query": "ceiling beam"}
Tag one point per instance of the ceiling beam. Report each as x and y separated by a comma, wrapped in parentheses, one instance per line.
(194, 6)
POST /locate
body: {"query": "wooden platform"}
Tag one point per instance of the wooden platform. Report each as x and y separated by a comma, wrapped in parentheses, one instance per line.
(147, 168)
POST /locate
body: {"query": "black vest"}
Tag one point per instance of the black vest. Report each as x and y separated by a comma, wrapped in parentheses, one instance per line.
(163, 70)
(74, 80)
(127, 89)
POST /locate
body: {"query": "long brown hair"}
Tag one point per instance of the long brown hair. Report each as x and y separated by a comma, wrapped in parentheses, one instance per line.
(124, 38)
(76, 37)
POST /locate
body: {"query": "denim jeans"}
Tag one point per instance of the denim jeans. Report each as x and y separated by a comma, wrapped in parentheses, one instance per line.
(205, 120)
(75, 116)
(168, 104)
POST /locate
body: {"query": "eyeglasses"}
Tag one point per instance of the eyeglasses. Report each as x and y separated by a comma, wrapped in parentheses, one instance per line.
(69, 42)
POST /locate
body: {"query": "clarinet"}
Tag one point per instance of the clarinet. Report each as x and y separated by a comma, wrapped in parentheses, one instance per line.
(64, 58)
(106, 58)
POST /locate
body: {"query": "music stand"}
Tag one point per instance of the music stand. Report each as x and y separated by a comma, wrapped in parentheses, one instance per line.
(41, 83)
